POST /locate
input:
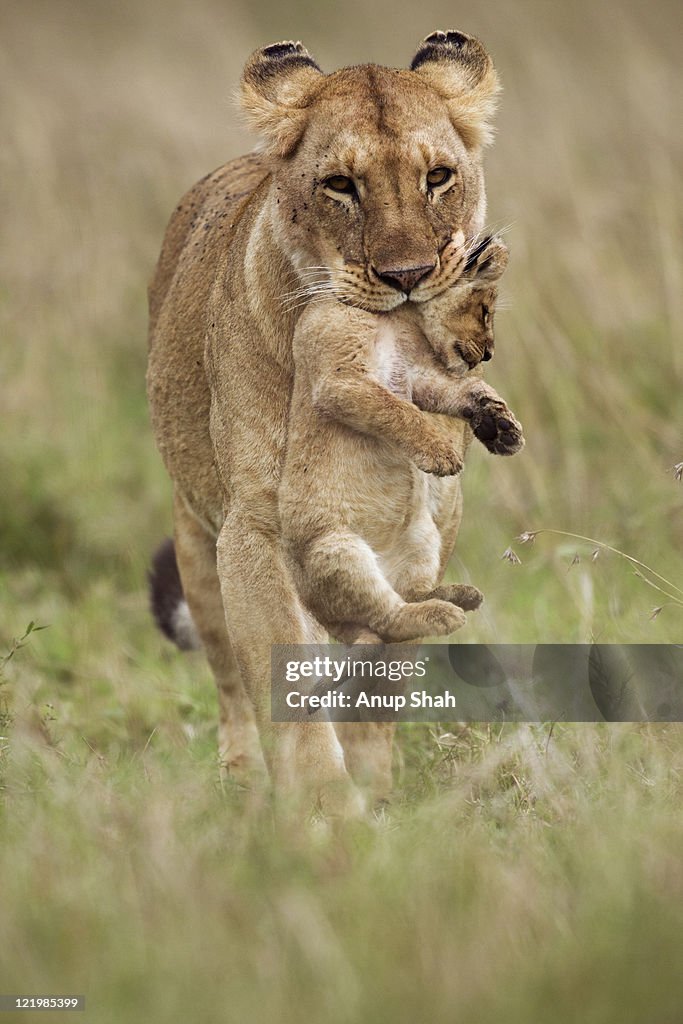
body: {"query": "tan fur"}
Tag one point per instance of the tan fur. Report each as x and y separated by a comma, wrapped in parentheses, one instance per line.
(458, 323)
(357, 509)
(467, 82)
(246, 251)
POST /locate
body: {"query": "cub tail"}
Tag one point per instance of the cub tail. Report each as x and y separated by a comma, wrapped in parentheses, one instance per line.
(167, 600)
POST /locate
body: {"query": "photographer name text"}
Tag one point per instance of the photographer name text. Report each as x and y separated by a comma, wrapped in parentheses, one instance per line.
(392, 701)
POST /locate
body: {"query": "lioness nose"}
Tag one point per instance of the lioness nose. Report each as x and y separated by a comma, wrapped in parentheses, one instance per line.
(404, 278)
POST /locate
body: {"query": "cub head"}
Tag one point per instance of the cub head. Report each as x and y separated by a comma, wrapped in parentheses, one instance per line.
(374, 170)
(458, 323)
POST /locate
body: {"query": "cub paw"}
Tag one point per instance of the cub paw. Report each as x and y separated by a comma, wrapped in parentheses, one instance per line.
(441, 617)
(461, 594)
(425, 618)
(493, 424)
(440, 459)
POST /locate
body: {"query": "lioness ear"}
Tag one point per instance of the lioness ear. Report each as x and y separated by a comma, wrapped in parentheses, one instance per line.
(458, 67)
(278, 83)
(487, 261)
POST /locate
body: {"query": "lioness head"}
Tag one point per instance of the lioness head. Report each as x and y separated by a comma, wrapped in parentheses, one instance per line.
(375, 170)
(458, 323)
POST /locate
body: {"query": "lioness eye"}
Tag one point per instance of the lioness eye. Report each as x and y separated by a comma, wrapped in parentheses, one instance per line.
(340, 183)
(439, 176)
(485, 314)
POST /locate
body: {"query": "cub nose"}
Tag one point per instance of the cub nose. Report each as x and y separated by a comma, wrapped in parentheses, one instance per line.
(404, 279)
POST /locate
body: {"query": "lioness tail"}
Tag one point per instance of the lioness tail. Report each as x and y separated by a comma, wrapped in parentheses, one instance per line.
(167, 600)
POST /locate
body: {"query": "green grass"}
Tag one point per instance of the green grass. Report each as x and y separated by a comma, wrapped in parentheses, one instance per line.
(523, 874)
(520, 876)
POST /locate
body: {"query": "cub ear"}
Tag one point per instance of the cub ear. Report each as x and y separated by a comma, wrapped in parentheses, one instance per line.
(458, 67)
(487, 261)
(278, 83)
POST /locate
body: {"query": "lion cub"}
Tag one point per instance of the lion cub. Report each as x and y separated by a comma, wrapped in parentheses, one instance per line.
(358, 509)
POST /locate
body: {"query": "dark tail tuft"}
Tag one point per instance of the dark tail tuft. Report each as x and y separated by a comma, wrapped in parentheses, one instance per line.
(167, 600)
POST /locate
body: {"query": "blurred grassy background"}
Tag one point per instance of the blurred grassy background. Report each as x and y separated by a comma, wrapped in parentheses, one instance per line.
(514, 867)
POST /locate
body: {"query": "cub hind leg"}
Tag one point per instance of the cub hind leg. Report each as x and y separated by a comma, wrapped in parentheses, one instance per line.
(463, 595)
(415, 573)
(342, 582)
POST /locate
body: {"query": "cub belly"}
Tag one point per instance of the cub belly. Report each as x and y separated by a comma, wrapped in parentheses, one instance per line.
(393, 507)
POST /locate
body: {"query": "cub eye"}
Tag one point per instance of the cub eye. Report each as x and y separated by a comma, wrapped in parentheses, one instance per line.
(485, 315)
(340, 183)
(439, 176)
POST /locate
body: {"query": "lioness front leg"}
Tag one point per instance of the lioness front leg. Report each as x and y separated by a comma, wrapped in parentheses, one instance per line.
(238, 743)
(262, 608)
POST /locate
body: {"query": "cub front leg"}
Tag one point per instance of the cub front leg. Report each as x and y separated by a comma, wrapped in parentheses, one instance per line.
(364, 405)
(477, 403)
(333, 349)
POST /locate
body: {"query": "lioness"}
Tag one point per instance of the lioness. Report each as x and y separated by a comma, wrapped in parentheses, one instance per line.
(355, 508)
(364, 177)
